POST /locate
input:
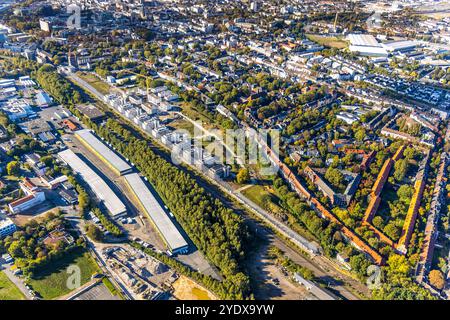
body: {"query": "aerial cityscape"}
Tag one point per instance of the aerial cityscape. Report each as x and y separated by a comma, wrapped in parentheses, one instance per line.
(224, 150)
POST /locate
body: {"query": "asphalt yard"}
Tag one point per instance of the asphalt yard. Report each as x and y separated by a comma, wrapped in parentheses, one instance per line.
(97, 292)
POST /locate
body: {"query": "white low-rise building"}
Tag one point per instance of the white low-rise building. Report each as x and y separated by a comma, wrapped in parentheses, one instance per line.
(7, 227)
(347, 117)
(27, 202)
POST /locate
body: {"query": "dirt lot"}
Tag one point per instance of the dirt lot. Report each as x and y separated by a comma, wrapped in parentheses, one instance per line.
(268, 280)
(23, 219)
(186, 289)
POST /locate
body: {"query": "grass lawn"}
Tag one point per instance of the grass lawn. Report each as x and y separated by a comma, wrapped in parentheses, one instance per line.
(206, 119)
(181, 124)
(8, 291)
(255, 193)
(51, 281)
(12, 178)
(97, 83)
(331, 42)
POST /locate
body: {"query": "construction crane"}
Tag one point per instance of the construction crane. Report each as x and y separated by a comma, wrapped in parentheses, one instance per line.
(140, 75)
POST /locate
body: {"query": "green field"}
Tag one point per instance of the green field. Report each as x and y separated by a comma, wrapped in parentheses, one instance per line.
(8, 291)
(255, 194)
(262, 197)
(206, 119)
(51, 281)
(181, 124)
(97, 83)
(331, 42)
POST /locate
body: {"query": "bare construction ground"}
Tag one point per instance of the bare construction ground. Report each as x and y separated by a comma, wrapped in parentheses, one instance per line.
(268, 280)
(186, 289)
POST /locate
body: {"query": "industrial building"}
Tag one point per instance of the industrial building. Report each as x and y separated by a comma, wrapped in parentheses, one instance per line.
(91, 112)
(108, 156)
(26, 202)
(43, 99)
(400, 46)
(101, 189)
(366, 45)
(159, 218)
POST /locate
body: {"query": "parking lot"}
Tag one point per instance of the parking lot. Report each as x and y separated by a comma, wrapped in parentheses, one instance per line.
(97, 292)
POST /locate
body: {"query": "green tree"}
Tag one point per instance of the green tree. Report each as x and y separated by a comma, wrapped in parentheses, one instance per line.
(243, 176)
(398, 264)
(13, 168)
(94, 233)
(378, 222)
(360, 134)
(409, 153)
(405, 192)
(334, 176)
(401, 168)
(392, 231)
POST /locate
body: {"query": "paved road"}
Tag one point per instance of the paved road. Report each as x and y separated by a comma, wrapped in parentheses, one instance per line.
(196, 259)
(316, 263)
(309, 246)
(297, 239)
(106, 268)
(86, 85)
(18, 282)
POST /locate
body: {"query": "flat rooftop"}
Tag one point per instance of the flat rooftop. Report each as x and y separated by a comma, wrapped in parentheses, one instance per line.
(156, 213)
(5, 222)
(101, 189)
(90, 111)
(365, 40)
(103, 151)
(399, 45)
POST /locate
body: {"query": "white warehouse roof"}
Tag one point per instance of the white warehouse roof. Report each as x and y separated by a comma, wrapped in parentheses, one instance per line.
(102, 151)
(101, 189)
(399, 45)
(369, 51)
(365, 40)
(156, 213)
